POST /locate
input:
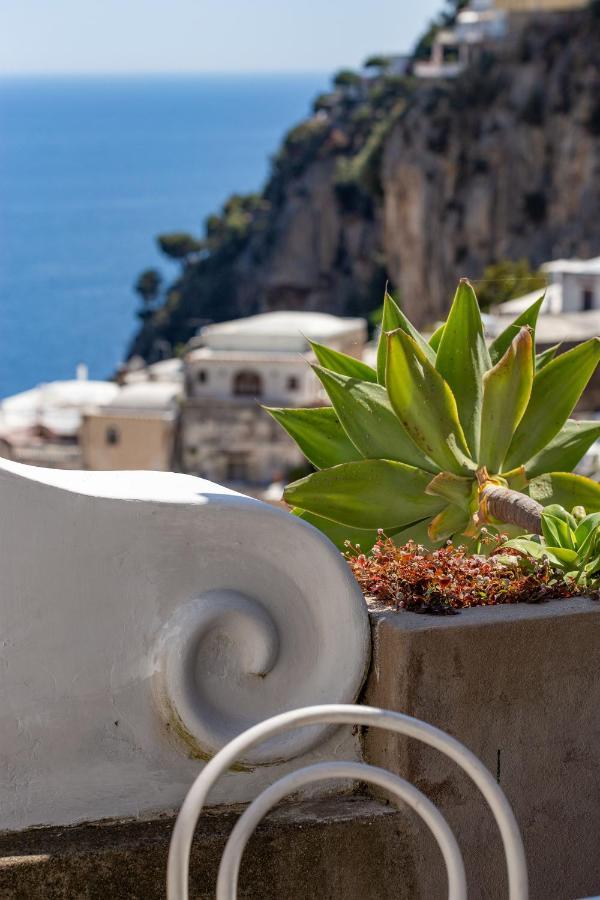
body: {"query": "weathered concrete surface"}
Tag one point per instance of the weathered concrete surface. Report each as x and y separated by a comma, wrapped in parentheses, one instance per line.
(350, 847)
(519, 686)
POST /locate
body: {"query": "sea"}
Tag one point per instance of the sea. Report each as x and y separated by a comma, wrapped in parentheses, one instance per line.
(91, 170)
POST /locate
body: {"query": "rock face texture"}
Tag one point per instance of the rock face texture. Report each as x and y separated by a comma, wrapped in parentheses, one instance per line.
(504, 163)
(413, 182)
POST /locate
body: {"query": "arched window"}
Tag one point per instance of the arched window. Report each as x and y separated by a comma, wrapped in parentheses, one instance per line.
(247, 384)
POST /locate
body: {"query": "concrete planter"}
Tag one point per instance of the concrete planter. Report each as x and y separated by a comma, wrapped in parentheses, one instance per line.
(520, 686)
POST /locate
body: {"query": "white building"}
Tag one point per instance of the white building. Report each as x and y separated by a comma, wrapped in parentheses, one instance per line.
(242, 364)
(41, 426)
(480, 22)
(573, 292)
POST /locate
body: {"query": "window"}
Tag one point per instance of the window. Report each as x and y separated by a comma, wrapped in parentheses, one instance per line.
(202, 376)
(587, 299)
(292, 383)
(247, 384)
(112, 436)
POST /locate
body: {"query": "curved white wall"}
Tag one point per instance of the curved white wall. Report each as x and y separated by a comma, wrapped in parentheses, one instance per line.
(145, 619)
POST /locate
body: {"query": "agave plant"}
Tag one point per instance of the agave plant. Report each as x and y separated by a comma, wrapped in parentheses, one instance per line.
(444, 436)
(570, 542)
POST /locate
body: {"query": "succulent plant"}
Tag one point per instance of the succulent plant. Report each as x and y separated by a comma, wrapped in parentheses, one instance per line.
(444, 436)
(570, 542)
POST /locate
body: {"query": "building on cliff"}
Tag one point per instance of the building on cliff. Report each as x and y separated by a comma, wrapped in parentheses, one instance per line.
(135, 430)
(479, 24)
(225, 435)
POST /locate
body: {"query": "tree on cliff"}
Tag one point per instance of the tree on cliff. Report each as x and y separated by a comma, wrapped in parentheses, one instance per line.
(148, 285)
(179, 245)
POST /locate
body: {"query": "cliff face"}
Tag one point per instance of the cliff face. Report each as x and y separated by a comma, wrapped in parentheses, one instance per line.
(414, 182)
(504, 163)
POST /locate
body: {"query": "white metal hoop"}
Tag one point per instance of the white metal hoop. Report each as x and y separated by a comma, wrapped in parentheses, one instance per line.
(183, 832)
(402, 790)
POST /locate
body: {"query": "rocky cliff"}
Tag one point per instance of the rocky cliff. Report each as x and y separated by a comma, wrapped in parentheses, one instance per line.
(415, 182)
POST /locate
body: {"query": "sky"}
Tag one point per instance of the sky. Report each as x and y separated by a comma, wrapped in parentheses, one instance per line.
(143, 36)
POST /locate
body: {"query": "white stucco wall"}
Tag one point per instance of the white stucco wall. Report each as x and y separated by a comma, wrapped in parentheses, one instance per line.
(120, 665)
(274, 370)
(573, 287)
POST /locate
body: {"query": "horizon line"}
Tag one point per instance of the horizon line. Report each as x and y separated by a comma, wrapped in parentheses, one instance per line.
(124, 73)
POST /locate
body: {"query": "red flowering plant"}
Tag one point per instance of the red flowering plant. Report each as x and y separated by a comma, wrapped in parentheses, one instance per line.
(450, 578)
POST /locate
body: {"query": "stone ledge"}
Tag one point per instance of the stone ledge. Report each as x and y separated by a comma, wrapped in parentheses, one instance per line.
(348, 847)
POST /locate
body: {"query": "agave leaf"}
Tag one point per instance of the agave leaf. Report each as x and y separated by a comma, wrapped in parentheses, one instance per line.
(436, 337)
(565, 450)
(373, 493)
(542, 359)
(516, 479)
(393, 318)
(456, 489)
(367, 417)
(417, 532)
(462, 360)
(318, 433)
(506, 392)
(450, 521)
(567, 490)
(342, 363)
(339, 534)
(529, 318)
(425, 405)
(555, 392)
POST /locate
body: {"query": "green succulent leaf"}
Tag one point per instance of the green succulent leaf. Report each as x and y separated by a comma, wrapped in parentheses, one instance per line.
(587, 538)
(425, 405)
(506, 392)
(556, 528)
(450, 521)
(555, 392)
(567, 490)
(587, 526)
(456, 489)
(436, 337)
(394, 318)
(462, 360)
(417, 532)
(542, 359)
(366, 415)
(318, 434)
(527, 319)
(562, 558)
(342, 363)
(373, 493)
(566, 450)
(339, 534)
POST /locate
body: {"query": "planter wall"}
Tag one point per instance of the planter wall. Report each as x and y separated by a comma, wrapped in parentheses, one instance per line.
(520, 686)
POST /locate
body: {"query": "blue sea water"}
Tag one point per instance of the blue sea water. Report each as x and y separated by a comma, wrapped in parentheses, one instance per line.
(91, 170)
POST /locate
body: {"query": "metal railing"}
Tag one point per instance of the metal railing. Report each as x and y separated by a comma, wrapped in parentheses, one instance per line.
(398, 788)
